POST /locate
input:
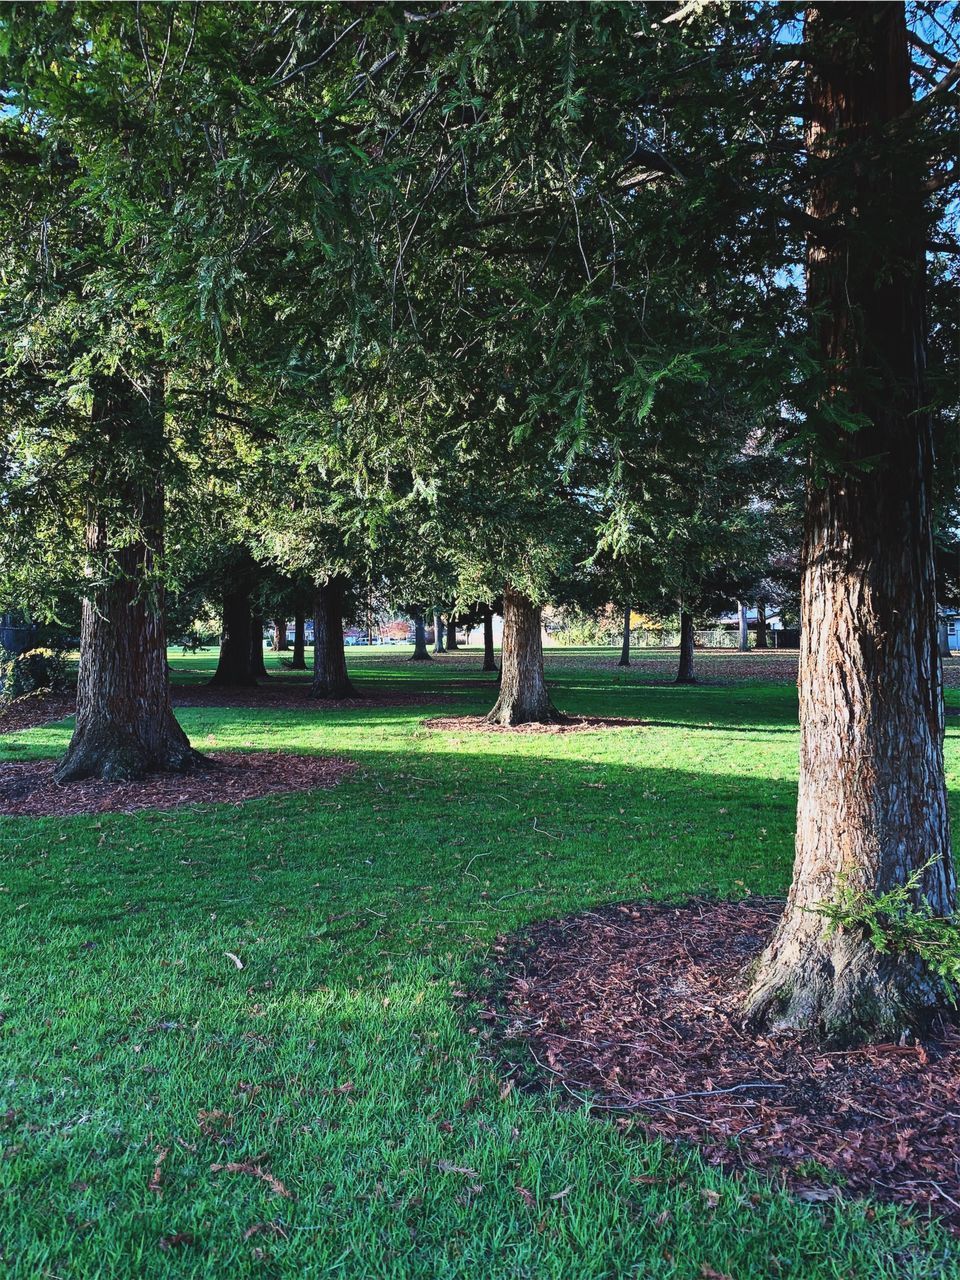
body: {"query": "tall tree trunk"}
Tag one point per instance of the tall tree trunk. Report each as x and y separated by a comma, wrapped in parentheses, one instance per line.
(943, 638)
(452, 632)
(489, 657)
(419, 639)
(280, 644)
(330, 679)
(299, 660)
(524, 698)
(625, 646)
(872, 805)
(761, 625)
(258, 667)
(234, 670)
(437, 634)
(125, 724)
(685, 673)
(743, 640)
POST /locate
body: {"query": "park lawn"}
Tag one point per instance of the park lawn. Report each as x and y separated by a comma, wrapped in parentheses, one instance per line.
(340, 1059)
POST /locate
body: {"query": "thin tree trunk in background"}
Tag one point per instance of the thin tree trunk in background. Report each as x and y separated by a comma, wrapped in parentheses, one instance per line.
(330, 678)
(625, 647)
(943, 640)
(452, 632)
(299, 660)
(419, 640)
(257, 665)
(744, 637)
(872, 805)
(125, 726)
(489, 657)
(280, 644)
(437, 634)
(524, 698)
(761, 625)
(685, 672)
(233, 668)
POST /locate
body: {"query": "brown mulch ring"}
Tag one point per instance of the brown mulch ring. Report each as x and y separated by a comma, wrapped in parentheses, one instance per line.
(634, 1008)
(569, 724)
(35, 710)
(27, 788)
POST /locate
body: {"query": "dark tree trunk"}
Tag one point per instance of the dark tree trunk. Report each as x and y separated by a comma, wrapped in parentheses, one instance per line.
(761, 625)
(437, 634)
(625, 646)
(872, 805)
(234, 670)
(452, 632)
(299, 660)
(743, 640)
(258, 667)
(685, 673)
(419, 640)
(523, 687)
(330, 679)
(943, 640)
(280, 636)
(125, 724)
(489, 657)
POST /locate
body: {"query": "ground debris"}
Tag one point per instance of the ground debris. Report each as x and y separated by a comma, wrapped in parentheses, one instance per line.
(635, 1008)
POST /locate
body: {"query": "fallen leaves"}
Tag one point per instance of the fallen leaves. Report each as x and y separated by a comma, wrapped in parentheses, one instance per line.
(254, 1169)
(156, 1178)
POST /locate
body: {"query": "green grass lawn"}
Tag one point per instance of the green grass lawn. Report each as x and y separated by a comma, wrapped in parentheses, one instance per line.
(337, 1055)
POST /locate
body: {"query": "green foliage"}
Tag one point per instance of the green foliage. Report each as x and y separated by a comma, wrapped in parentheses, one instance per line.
(900, 921)
(42, 670)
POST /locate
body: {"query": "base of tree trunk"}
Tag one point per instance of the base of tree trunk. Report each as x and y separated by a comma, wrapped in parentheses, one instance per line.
(524, 698)
(838, 988)
(118, 756)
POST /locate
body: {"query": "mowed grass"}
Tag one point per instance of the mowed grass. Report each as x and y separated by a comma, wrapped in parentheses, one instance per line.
(339, 1059)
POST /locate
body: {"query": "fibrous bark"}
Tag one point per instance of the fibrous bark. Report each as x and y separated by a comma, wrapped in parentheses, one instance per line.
(452, 632)
(761, 625)
(419, 640)
(625, 646)
(437, 634)
(685, 672)
(330, 679)
(125, 725)
(489, 657)
(743, 639)
(872, 805)
(524, 698)
(280, 644)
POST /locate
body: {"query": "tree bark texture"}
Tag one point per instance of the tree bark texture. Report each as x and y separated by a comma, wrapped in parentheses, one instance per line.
(280, 644)
(524, 698)
(761, 625)
(234, 670)
(299, 660)
(330, 679)
(452, 632)
(420, 653)
(625, 646)
(489, 656)
(685, 672)
(125, 725)
(437, 634)
(872, 805)
(743, 639)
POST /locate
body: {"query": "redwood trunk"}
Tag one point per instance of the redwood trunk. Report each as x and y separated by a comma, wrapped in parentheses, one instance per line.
(452, 632)
(872, 803)
(419, 640)
(685, 673)
(125, 724)
(523, 687)
(299, 661)
(744, 629)
(233, 669)
(489, 657)
(625, 646)
(437, 634)
(330, 679)
(280, 636)
(761, 625)
(257, 665)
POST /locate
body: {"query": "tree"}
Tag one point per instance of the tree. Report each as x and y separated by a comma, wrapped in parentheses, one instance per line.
(872, 808)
